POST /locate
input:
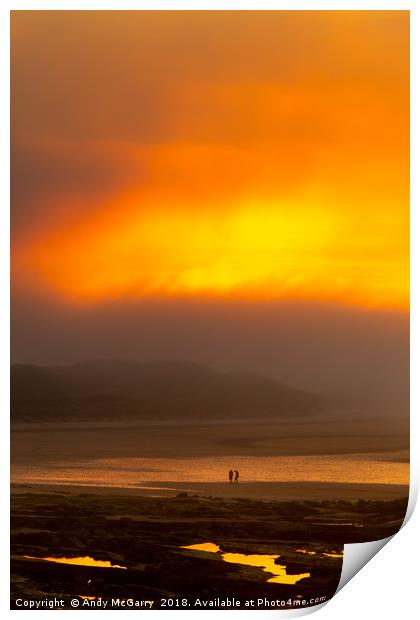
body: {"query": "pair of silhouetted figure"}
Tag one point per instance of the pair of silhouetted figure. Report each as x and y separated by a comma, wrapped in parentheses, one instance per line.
(233, 476)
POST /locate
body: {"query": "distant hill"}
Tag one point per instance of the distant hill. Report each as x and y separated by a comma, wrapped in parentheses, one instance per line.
(114, 390)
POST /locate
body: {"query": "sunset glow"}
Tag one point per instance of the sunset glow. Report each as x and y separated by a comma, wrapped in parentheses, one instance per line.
(239, 181)
(268, 251)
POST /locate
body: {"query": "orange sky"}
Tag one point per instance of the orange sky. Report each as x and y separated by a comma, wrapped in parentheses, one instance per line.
(250, 154)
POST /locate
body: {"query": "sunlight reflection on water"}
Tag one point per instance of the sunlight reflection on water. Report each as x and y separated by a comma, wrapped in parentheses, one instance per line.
(266, 562)
(126, 472)
(78, 561)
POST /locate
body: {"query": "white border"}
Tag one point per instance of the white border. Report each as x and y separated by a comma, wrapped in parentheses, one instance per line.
(399, 597)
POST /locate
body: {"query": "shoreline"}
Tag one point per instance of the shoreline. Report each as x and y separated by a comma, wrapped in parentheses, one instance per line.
(165, 543)
(263, 491)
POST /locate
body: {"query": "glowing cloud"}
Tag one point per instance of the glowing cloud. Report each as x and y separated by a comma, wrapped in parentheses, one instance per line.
(270, 164)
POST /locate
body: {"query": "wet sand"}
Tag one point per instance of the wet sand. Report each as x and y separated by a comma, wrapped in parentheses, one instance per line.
(145, 527)
(273, 491)
(34, 443)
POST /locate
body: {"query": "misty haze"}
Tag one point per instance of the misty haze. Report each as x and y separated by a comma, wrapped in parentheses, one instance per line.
(210, 302)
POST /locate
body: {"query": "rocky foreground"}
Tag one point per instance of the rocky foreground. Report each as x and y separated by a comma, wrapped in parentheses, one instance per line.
(144, 537)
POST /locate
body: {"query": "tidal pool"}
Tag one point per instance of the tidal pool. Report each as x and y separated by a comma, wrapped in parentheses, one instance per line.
(266, 562)
(329, 555)
(81, 561)
(306, 551)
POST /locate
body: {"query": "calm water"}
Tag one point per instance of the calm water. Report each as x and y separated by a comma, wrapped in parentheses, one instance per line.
(266, 562)
(85, 560)
(380, 468)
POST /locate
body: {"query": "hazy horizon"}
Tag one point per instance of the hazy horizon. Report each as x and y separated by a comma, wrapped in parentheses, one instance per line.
(356, 353)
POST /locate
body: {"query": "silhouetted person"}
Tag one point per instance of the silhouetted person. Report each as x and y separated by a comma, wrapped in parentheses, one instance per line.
(236, 476)
(231, 476)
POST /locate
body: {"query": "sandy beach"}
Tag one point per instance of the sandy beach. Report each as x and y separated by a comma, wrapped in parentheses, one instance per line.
(263, 491)
(319, 435)
(143, 497)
